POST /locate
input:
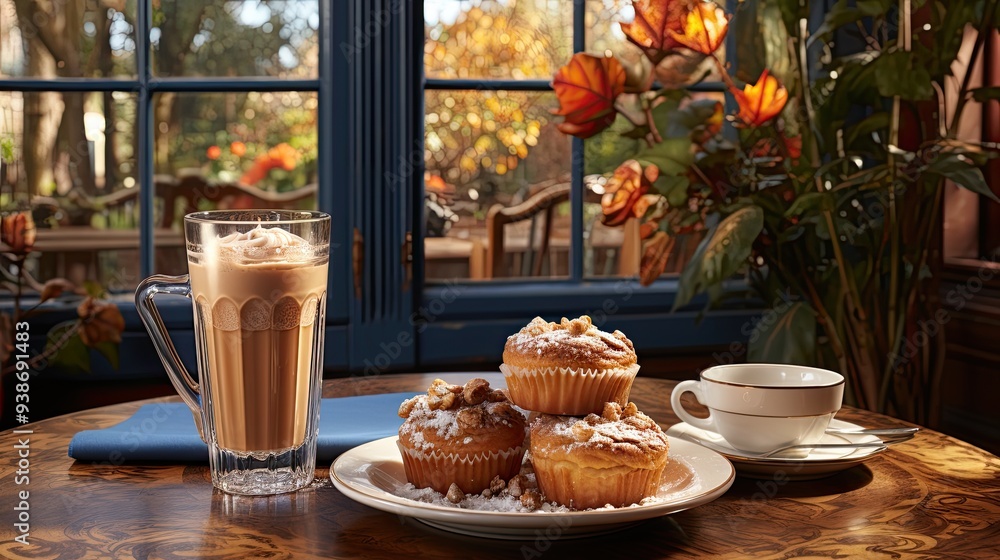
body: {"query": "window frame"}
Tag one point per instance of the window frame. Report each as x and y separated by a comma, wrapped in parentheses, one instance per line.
(331, 138)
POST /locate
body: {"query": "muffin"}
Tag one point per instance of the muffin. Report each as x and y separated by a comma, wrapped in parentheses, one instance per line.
(613, 458)
(570, 367)
(462, 435)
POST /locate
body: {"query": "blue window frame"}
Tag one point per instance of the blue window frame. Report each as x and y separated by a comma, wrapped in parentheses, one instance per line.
(332, 139)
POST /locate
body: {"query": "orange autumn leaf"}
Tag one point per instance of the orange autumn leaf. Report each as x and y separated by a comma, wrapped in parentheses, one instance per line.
(762, 101)
(654, 23)
(17, 230)
(100, 321)
(655, 254)
(213, 152)
(238, 148)
(587, 88)
(704, 28)
(55, 288)
(624, 190)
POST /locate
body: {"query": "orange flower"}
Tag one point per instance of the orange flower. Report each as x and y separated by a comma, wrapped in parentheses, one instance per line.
(587, 88)
(654, 23)
(238, 148)
(101, 321)
(213, 152)
(704, 28)
(624, 190)
(762, 101)
(18, 231)
(655, 254)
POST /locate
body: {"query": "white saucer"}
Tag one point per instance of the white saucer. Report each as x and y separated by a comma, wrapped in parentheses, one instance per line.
(817, 464)
(695, 475)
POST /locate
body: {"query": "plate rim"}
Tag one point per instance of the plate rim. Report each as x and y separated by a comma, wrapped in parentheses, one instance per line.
(536, 519)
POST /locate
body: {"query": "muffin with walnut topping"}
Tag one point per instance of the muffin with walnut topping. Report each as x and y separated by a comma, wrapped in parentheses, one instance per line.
(613, 458)
(465, 435)
(570, 367)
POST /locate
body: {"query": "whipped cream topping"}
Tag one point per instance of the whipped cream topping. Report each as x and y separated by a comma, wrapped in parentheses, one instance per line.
(263, 244)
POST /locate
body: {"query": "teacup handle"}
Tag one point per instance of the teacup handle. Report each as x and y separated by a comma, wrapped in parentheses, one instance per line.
(182, 381)
(675, 402)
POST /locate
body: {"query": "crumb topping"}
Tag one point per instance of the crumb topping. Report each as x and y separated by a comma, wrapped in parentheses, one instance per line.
(571, 342)
(620, 433)
(459, 414)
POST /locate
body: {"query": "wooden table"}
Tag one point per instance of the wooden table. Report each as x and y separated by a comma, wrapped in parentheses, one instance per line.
(931, 497)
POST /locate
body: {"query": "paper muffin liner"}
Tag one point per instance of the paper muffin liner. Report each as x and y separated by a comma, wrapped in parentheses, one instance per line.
(584, 488)
(472, 472)
(568, 391)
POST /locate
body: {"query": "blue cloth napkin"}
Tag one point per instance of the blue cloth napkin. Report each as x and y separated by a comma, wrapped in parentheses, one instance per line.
(166, 431)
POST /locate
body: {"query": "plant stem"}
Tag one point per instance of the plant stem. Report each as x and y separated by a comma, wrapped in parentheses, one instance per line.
(651, 122)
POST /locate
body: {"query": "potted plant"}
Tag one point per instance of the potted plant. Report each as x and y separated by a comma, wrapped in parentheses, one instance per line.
(828, 199)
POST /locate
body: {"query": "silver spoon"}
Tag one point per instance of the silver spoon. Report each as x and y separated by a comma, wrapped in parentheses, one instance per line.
(887, 435)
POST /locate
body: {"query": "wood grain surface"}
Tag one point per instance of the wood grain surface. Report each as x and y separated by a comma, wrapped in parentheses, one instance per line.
(931, 497)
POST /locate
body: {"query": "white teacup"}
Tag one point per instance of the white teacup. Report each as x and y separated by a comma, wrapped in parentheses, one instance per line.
(761, 407)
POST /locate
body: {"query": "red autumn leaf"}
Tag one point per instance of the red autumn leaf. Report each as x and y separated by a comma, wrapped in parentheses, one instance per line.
(704, 28)
(587, 88)
(213, 152)
(17, 230)
(625, 188)
(654, 22)
(762, 101)
(655, 254)
(101, 321)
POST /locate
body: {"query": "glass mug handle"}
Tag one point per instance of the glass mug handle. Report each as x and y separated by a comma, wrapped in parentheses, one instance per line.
(182, 381)
(675, 402)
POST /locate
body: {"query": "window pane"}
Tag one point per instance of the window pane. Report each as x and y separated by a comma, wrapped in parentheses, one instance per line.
(70, 158)
(231, 150)
(277, 38)
(67, 39)
(487, 149)
(497, 39)
(605, 34)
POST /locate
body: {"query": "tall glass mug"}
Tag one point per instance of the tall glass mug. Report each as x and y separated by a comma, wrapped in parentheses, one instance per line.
(257, 280)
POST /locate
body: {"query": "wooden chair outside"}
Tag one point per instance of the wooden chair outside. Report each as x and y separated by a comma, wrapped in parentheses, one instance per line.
(541, 206)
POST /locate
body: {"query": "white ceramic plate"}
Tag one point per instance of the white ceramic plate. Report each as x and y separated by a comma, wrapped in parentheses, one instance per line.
(368, 473)
(817, 464)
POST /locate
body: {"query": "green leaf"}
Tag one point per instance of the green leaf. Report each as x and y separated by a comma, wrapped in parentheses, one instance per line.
(785, 334)
(843, 14)
(109, 350)
(94, 289)
(984, 94)
(864, 129)
(637, 132)
(721, 253)
(72, 356)
(672, 156)
(674, 188)
(810, 201)
(901, 73)
(963, 174)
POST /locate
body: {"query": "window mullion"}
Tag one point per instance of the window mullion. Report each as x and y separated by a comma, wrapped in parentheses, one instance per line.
(144, 141)
(576, 196)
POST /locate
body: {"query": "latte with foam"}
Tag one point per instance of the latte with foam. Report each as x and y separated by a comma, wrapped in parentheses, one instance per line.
(259, 300)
